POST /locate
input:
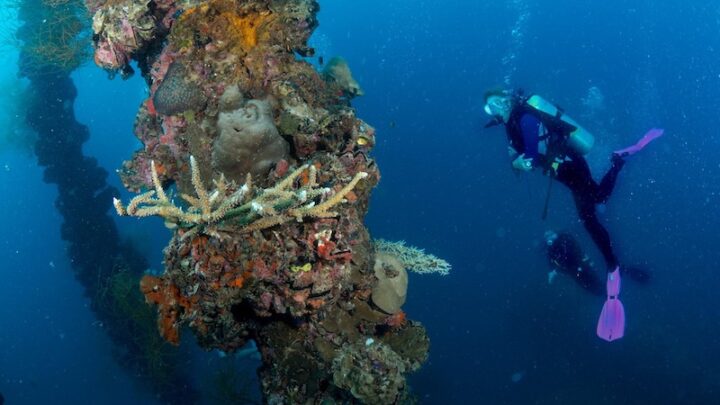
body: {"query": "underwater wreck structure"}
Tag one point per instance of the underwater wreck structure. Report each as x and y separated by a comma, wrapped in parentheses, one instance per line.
(260, 167)
(52, 45)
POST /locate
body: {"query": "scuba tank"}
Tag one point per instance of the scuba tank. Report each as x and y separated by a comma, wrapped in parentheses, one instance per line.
(578, 138)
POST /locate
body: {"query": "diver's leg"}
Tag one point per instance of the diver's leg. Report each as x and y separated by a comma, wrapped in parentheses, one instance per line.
(576, 176)
(586, 209)
(607, 184)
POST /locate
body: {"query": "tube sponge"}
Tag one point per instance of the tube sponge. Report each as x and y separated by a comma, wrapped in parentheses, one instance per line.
(248, 142)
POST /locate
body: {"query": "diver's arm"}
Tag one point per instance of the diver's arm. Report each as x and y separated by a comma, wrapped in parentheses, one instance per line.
(522, 163)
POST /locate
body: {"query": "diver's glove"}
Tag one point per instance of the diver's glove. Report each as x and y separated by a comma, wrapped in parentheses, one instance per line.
(523, 164)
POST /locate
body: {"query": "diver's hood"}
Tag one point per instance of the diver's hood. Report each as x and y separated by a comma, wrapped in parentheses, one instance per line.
(497, 112)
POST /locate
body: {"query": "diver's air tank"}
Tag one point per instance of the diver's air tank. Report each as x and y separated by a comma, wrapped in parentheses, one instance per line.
(579, 139)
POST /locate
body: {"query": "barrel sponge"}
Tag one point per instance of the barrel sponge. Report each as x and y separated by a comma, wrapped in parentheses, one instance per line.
(248, 142)
(391, 290)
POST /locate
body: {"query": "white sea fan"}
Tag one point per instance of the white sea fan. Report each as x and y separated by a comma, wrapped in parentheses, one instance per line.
(413, 258)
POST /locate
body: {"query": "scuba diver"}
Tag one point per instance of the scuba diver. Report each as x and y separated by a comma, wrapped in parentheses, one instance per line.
(542, 136)
(565, 256)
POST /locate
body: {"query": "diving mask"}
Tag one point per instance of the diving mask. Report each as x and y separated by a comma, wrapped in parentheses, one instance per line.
(498, 106)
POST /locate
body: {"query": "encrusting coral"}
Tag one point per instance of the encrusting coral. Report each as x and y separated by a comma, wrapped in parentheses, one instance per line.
(121, 28)
(371, 370)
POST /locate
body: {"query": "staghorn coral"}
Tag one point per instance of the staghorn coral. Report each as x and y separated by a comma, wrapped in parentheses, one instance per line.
(246, 207)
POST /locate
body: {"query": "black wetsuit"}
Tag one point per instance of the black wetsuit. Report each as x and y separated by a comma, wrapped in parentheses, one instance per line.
(525, 132)
(575, 174)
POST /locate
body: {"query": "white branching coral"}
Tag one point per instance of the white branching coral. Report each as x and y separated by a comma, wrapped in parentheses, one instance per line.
(413, 258)
(205, 208)
(247, 207)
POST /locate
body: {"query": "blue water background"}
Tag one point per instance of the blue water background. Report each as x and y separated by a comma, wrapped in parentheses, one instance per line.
(500, 333)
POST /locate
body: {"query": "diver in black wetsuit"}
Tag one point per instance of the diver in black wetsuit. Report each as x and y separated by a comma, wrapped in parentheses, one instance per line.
(541, 136)
(565, 256)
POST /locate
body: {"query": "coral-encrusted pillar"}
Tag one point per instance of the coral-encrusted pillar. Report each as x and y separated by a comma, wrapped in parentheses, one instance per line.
(53, 46)
(228, 89)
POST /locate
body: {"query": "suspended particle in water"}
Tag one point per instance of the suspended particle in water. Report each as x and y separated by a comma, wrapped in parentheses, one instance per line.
(517, 376)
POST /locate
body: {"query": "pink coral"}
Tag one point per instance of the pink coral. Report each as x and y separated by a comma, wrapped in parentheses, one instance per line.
(160, 67)
(171, 126)
(109, 56)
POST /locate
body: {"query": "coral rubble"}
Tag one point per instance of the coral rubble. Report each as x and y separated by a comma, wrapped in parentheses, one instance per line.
(275, 250)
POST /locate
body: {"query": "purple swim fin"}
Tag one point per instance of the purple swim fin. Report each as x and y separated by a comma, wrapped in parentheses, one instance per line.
(646, 139)
(611, 325)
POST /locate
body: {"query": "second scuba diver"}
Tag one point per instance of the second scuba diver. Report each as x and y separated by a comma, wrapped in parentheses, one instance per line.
(565, 256)
(542, 136)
